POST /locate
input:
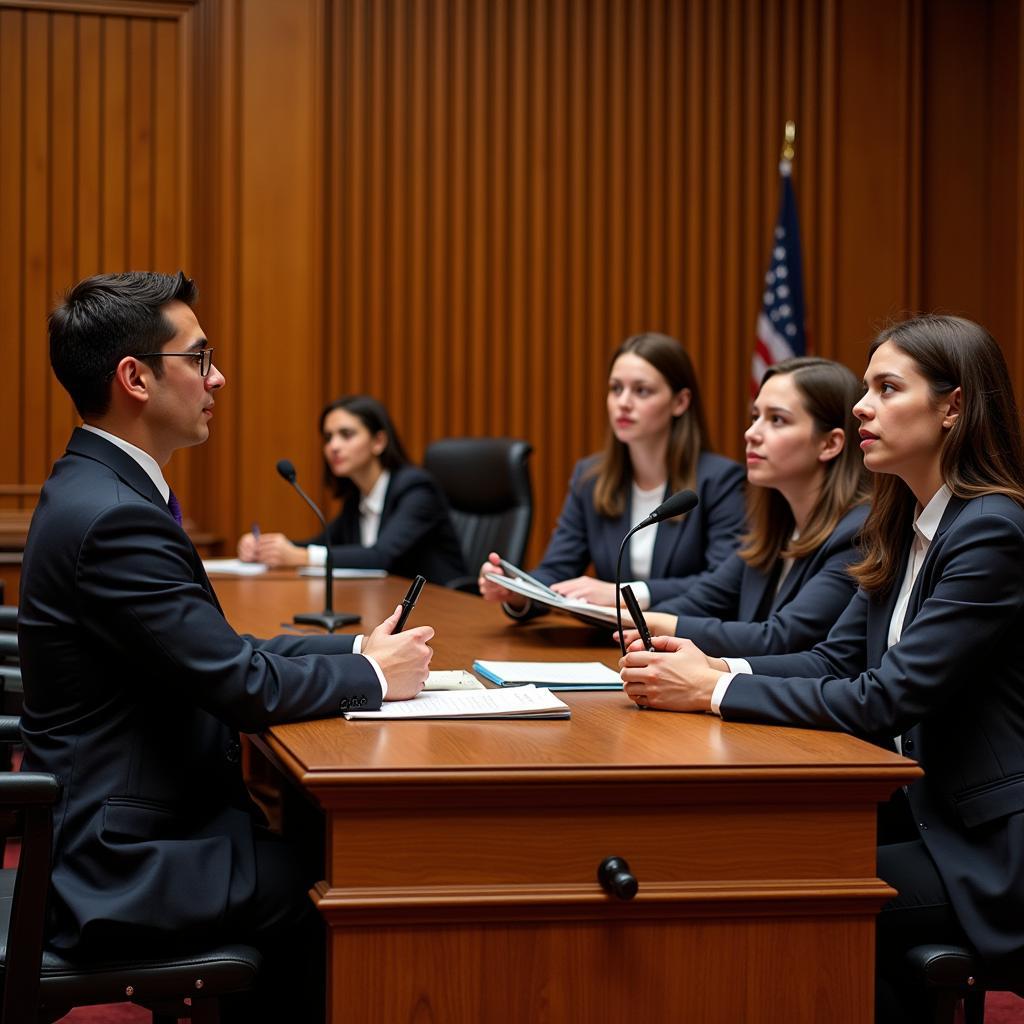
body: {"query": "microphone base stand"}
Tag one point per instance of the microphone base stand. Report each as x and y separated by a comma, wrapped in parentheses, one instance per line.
(329, 620)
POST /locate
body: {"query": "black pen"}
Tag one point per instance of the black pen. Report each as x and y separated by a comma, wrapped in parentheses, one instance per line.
(637, 616)
(409, 602)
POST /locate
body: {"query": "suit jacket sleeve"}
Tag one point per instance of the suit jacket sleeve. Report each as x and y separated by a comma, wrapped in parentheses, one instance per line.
(723, 508)
(137, 593)
(802, 621)
(568, 554)
(974, 592)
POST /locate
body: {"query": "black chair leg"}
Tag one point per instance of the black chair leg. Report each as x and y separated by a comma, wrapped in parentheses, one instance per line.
(974, 1008)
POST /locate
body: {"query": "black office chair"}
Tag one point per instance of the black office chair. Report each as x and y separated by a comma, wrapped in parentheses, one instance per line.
(955, 973)
(39, 986)
(487, 481)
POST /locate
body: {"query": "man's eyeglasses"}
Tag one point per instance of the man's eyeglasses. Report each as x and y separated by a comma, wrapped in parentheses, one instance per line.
(202, 356)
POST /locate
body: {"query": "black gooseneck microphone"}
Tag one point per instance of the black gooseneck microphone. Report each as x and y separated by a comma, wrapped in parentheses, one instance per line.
(328, 618)
(677, 504)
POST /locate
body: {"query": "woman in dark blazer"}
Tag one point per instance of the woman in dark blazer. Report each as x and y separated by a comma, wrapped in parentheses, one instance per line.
(655, 446)
(394, 515)
(930, 651)
(785, 588)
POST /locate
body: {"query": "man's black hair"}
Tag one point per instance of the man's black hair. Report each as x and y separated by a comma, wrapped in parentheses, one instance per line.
(105, 318)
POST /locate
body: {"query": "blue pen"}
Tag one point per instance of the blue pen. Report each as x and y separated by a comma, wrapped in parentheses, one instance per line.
(256, 532)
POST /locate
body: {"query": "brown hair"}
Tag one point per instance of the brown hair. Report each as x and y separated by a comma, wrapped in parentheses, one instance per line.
(829, 391)
(613, 470)
(982, 452)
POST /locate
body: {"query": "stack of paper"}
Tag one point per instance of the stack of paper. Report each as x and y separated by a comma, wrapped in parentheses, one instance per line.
(592, 614)
(233, 567)
(522, 702)
(558, 675)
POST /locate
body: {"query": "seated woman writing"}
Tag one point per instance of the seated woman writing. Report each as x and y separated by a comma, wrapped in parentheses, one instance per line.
(657, 444)
(929, 653)
(786, 586)
(394, 515)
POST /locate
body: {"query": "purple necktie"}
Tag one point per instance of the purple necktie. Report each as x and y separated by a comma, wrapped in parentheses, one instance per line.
(172, 504)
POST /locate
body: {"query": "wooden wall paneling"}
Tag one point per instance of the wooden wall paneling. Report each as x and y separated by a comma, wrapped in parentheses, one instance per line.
(821, 253)
(88, 177)
(210, 162)
(579, 365)
(955, 240)
(735, 362)
(871, 161)
(114, 172)
(63, 169)
(12, 418)
(479, 379)
(448, 369)
(36, 254)
(278, 387)
(1004, 281)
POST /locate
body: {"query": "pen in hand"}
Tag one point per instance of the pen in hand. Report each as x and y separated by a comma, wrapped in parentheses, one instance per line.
(409, 602)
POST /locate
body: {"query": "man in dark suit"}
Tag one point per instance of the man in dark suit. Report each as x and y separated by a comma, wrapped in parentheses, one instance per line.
(136, 685)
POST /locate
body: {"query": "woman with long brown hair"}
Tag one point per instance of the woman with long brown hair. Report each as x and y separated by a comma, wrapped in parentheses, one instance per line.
(806, 502)
(656, 445)
(930, 650)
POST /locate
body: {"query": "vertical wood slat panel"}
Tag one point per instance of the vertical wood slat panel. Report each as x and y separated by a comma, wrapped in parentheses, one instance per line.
(36, 254)
(12, 111)
(63, 147)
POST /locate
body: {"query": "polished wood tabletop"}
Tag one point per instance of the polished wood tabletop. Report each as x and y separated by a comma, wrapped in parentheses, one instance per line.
(607, 732)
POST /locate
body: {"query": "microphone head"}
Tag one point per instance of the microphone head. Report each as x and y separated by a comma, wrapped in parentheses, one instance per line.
(675, 505)
(287, 470)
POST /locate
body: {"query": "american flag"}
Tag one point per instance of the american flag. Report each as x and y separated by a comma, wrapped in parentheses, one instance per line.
(780, 324)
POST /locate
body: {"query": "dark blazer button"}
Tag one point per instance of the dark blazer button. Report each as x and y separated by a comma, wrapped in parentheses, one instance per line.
(908, 744)
(233, 753)
(922, 826)
(344, 703)
(362, 701)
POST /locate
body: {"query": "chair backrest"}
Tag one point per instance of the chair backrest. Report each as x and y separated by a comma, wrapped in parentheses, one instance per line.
(26, 800)
(487, 482)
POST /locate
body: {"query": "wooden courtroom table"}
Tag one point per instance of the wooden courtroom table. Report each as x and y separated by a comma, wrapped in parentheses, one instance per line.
(461, 857)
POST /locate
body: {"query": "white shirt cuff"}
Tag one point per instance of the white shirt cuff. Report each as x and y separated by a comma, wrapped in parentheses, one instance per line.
(376, 668)
(738, 665)
(642, 593)
(316, 554)
(718, 694)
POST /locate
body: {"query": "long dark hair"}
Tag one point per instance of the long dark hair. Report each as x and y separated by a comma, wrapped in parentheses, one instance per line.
(982, 453)
(687, 438)
(375, 418)
(828, 391)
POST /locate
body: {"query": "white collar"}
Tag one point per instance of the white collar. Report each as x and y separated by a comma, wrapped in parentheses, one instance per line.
(374, 501)
(150, 466)
(928, 521)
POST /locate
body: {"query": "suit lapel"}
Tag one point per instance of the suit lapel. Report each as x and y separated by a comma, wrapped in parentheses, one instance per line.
(92, 446)
(665, 541)
(953, 509)
(613, 530)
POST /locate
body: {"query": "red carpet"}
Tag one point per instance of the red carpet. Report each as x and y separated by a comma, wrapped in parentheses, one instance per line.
(1000, 1008)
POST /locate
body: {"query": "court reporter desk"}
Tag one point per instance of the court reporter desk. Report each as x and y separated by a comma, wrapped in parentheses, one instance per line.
(462, 857)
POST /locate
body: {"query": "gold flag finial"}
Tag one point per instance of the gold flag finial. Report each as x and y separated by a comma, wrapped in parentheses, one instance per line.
(787, 145)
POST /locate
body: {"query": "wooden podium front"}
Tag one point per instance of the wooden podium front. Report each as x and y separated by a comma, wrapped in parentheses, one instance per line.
(462, 857)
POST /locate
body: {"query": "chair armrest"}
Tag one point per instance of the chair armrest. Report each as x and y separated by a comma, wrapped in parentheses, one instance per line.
(28, 789)
(10, 729)
(8, 616)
